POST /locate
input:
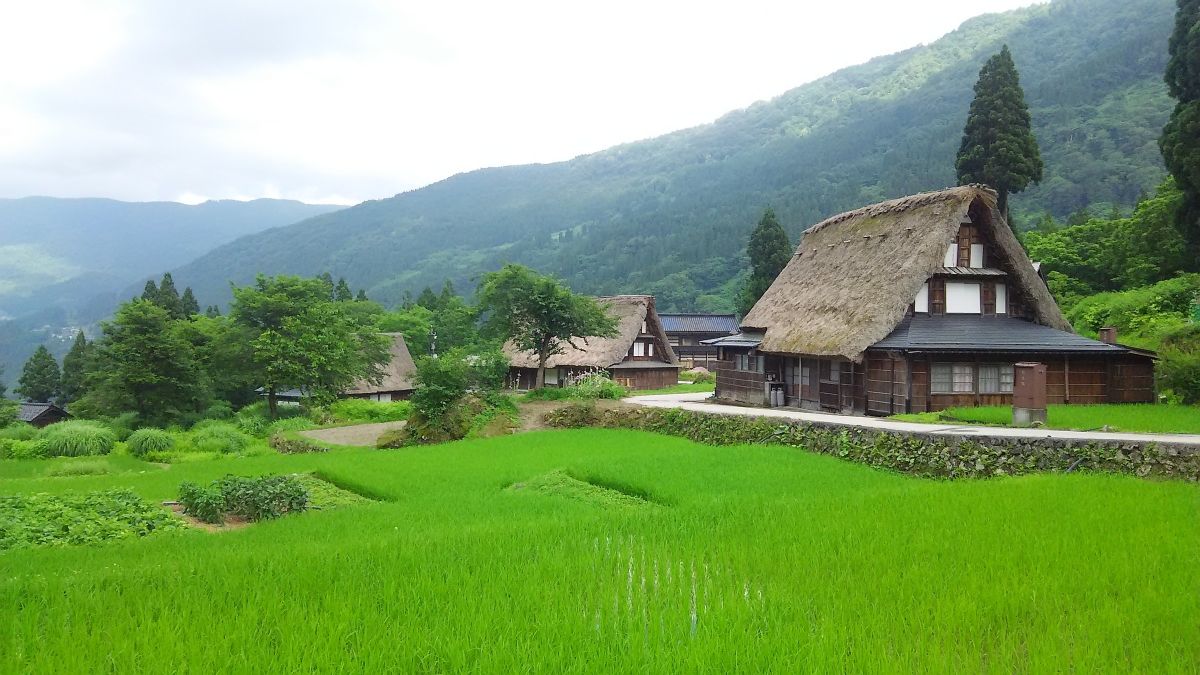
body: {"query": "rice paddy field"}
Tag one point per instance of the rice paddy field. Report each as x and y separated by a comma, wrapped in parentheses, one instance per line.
(617, 551)
(1131, 417)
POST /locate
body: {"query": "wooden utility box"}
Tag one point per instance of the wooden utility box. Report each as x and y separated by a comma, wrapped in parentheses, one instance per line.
(1029, 393)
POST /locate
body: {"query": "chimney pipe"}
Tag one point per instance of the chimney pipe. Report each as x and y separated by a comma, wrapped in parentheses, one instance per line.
(1108, 335)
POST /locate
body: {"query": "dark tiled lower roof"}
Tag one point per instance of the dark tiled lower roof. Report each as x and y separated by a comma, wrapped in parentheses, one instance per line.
(31, 411)
(972, 332)
(641, 365)
(699, 323)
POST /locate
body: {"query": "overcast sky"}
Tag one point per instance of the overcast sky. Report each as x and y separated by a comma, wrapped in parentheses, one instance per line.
(344, 101)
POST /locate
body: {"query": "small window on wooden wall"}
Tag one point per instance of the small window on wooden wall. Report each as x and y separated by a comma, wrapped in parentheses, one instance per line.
(952, 378)
(937, 296)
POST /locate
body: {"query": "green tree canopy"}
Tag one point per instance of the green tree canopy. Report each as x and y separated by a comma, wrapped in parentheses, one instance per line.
(40, 380)
(303, 339)
(769, 251)
(1180, 140)
(342, 292)
(74, 368)
(143, 364)
(168, 297)
(187, 303)
(538, 313)
(998, 147)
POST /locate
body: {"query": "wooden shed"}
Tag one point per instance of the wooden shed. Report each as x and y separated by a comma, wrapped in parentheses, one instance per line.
(41, 414)
(911, 305)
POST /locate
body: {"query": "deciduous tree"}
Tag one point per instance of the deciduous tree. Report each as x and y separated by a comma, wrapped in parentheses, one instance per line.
(539, 314)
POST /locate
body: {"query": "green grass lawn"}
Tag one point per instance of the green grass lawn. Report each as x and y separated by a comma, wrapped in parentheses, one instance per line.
(1171, 419)
(682, 388)
(733, 559)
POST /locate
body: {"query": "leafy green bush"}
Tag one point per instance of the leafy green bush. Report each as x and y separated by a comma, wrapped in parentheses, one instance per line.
(13, 449)
(219, 410)
(703, 378)
(1178, 367)
(289, 424)
(255, 418)
(75, 438)
(124, 424)
(38, 520)
(597, 385)
(19, 432)
(1143, 315)
(364, 410)
(204, 503)
(150, 440)
(223, 437)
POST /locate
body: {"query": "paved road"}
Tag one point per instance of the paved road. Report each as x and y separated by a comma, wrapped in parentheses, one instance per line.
(697, 402)
(357, 434)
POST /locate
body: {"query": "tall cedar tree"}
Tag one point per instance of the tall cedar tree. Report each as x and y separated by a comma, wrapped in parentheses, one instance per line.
(998, 148)
(40, 380)
(1180, 141)
(150, 292)
(539, 314)
(187, 303)
(341, 292)
(168, 297)
(3, 391)
(303, 339)
(74, 368)
(769, 251)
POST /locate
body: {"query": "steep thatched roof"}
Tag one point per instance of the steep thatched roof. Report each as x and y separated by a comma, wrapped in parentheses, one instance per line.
(629, 311)
(854, 275)
(397, 374)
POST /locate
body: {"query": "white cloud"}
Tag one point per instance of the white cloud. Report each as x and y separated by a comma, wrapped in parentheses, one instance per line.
(355, 100)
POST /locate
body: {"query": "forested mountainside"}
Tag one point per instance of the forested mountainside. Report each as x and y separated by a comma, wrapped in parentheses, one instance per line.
(70, 253)
(67, 263)
(670, 215)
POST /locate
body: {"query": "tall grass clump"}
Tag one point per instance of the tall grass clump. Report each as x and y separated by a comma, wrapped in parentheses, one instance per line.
(150, 440)
(19, 432)
(76, 438)
(222, 437)
(255, 419)
(363, 410)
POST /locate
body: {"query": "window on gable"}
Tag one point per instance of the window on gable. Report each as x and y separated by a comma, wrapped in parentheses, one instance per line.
(639, 349)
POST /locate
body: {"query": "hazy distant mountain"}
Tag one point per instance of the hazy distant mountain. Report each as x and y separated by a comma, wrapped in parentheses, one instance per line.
(670, 215)
(74, 253)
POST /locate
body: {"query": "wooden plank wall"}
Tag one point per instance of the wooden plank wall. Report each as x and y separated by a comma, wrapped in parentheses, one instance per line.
(738, 385)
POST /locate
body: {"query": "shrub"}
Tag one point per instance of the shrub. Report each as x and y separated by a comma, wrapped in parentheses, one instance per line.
(256, 417)
(363, 410)
(150, 440)
(123, 425)
(76, 438)
(294, 445)
(219, 410)
(203, 503)
(440, 383)
(704, 378)
(597, 385)
(289, 424)
(11, 448)
(222, 437)
(392, 439)
(1178, 367)
(19, 432)
(250, 498)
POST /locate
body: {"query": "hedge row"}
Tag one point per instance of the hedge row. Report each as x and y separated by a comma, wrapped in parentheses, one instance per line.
(915, 453)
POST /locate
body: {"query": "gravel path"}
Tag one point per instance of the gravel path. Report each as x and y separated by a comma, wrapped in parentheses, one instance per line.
(358, 434)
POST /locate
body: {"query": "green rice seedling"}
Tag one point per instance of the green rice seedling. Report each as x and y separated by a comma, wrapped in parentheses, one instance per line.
(75, 438)
(220, 437)
(90, 467)
(148, 441)
(1131, 417)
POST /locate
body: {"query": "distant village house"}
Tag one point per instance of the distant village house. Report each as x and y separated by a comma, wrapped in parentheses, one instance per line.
(687, 332)
(916, 304)
(640, 357)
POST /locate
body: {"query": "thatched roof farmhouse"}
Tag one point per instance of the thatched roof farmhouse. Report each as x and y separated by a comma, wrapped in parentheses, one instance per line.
(918, 303)
(640, 356)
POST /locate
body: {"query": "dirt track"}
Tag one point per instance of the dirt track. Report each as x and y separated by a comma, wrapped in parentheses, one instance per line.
(358, 434)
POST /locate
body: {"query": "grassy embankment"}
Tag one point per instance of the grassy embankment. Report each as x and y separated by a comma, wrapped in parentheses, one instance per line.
(645, 553)
(1132, 417)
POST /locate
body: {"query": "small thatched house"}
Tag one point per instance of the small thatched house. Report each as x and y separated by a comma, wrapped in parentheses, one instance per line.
(916, 304)
(640, 357)
(396, 384)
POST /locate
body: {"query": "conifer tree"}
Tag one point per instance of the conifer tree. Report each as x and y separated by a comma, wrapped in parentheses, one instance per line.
(362, 296)
(998, 147)
(1180, 140)
(187, 304)
(428, 299)
(150, 292)
(40, 380)
(769, 250)
(168, 297)
(74, 369)
(212, 311)
(342, 292)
